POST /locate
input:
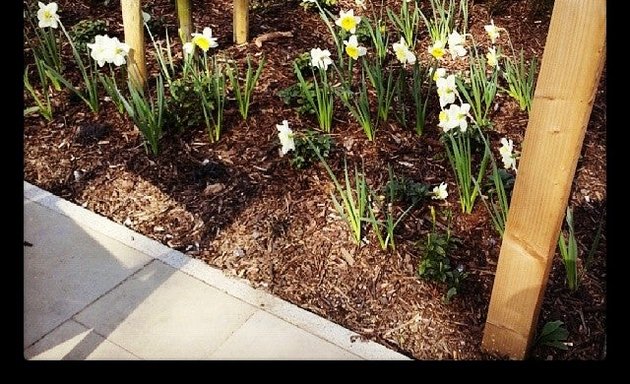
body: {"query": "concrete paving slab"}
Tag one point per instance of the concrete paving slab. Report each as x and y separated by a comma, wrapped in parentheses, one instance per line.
(161, 313)
(73, 341)
(266, 337)
(66, 268)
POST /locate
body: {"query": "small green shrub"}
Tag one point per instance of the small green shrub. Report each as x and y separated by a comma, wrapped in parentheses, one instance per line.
(435, 264)
(305, 154)
(183, 109)
(84, 32)
(293, 96)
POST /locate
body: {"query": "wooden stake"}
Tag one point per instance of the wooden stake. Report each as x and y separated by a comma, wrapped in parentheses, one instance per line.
(568, 80)
(134, 37)
(241, 21)
(185, 19)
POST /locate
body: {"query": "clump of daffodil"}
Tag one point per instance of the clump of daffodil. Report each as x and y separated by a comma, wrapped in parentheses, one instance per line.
(492, 31)
(446, 89)
(353, 49)
(107, 49)
(453, 117)
(507, 154)
(456, 44)
(348, 21)
(403, 54)
(437, 50)
(203, 40)
(320, 58)
(47, 15)
(492, 58)
(439, 192)
(285, 134)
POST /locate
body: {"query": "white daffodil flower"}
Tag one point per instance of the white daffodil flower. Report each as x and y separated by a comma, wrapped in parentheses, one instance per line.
(446, 89)
(285, 134)
(492, 31)
(118, 52)
(492, 58)
(353, 49)
(456, 45)
(437, 50)
(320, 58)
(205, 40)
(348, 21)
(403, 54)
(459, 116)
(47, 15)
(107, 49)
(445, 122)
(439, 192)
(507, 154)
(100, 50)
(188, 48)
(439, 73)
(453, 117)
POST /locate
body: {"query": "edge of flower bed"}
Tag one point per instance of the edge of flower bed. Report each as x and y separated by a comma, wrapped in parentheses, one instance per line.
(234, 286)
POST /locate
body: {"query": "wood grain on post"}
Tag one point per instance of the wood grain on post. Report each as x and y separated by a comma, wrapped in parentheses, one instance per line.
(569, 75)
(185, 19)
(241, 21)
(134, 37)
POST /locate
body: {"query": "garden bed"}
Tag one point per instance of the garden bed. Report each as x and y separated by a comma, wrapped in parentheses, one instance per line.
(240, 206)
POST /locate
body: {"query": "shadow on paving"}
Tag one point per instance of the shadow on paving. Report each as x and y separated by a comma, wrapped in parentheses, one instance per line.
(67, 268)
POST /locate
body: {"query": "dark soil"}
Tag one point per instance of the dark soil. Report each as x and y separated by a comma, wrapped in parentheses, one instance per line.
(239, 206)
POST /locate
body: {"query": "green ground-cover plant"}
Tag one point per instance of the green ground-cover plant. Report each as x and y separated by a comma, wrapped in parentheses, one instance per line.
(307, 146)
(435, 265)
(554, 334)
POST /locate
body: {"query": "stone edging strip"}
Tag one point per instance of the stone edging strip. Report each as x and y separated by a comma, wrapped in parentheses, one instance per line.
(236, 287)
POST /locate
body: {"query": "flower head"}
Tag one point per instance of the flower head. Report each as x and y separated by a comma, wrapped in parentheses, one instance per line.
(285, 134)
(439, 73)
(353, 49)
(446, 89)
(118, 52)
(456, 45)
(205, 40)
(492, 31)
(507, 154)
(403, 54)
(455, 116)
(320, 58)
(47, 15)
(146, 17)
(348, 21)
(107, 49)
(492, 58)
(439, 192)
(437, 50)
(188, 48)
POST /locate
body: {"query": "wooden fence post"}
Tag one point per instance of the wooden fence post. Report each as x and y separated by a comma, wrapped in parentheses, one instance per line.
(185, 19)
(569, 75)
(134, 37)
(241, 21)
